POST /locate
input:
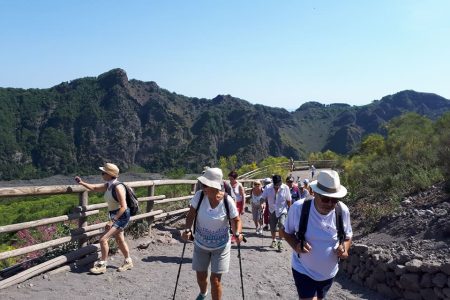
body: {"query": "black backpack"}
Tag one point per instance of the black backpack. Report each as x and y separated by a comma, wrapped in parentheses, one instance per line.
(202, 194)
(132, 201)
(303, 225)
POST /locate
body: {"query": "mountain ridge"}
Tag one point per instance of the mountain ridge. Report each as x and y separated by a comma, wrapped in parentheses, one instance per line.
(75, 126)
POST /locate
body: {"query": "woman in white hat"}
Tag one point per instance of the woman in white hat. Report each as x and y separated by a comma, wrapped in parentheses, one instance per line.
(212, 232)
(119, 214)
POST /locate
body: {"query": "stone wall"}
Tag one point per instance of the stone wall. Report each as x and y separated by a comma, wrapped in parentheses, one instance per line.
(399, 276)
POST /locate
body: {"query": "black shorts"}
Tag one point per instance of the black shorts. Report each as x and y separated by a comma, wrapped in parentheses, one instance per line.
(308, 288)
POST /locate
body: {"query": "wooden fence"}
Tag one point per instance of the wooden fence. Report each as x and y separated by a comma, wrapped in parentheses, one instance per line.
(81, 212)
(298, 165)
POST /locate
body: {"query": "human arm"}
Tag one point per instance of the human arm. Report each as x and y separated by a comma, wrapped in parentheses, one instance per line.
(91, 187)
(291, 226)
(342, 250)
(187, 233)
(122, 199)
(236, 228)
(242, 192)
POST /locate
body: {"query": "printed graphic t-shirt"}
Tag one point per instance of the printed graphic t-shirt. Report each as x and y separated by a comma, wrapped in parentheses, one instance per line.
(212, 229)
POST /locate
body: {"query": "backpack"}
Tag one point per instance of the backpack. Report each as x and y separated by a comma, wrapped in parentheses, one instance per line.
(132, 201)
(303, 224)
(227, 189)
(202, 194)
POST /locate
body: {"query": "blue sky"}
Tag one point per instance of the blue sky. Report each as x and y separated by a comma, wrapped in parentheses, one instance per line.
(278, 53)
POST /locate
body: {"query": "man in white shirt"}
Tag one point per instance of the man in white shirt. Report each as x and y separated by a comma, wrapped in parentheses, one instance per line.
(278, 198)
(316, 255)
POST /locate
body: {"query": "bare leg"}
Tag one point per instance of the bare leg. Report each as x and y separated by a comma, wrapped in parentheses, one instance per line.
(104, 242)
(202, 280)
(274, 234)
(216, 286)
(120, 239)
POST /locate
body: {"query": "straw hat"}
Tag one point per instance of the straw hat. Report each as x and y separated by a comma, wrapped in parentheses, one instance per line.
(212, 178)
(329, 184)
(110, 169)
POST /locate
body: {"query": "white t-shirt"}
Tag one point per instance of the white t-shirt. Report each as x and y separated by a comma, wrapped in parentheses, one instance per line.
(321, 263)
(236, 192)
(212, 228)
(277, 202)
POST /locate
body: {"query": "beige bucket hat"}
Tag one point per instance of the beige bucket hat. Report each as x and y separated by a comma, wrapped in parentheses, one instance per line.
(110, 169)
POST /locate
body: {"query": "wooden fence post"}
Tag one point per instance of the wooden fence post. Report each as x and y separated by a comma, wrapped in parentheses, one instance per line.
(82, 222)
(150, 204)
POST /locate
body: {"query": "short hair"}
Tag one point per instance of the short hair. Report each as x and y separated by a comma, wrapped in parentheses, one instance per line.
(233, 174)
(276, 179)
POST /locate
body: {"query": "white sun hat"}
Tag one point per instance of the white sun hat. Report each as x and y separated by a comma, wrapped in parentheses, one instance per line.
(329, 184)
(212, 178)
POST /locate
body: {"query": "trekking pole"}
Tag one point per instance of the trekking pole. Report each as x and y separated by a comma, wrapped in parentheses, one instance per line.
(240, 266)
(261, 220)
(179, 270)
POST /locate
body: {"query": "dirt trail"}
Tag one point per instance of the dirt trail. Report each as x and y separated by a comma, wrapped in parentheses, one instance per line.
(266, 273)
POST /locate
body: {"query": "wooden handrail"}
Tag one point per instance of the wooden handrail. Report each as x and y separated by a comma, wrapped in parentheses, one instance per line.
(84, 210)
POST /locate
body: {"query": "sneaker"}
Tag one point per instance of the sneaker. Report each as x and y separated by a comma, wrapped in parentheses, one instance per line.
(257, 231)
(273, 245)
(266, 228)
(99, 268)
(127, 265)
(201, 296)
(280, 246)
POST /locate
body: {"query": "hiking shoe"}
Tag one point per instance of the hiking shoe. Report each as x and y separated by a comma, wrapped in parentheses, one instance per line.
(99, 268)
(201, 297)
(127, 265)
(280, 246)
(273, 245)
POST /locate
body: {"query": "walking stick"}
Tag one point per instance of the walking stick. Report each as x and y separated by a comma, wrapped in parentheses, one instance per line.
(179, 270)
(240, 267)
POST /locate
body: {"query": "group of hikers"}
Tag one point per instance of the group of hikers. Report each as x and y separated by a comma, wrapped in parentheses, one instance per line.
(309, 216)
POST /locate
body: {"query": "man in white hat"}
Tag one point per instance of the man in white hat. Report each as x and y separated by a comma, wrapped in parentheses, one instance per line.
(323, 240)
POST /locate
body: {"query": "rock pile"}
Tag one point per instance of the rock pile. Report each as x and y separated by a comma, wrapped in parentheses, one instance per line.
(398, 275)
(408, 256)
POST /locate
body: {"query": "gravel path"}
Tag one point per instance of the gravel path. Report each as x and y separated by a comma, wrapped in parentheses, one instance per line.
(266, 273)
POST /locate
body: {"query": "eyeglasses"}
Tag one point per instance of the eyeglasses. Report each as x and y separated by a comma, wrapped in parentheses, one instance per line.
(326, 199)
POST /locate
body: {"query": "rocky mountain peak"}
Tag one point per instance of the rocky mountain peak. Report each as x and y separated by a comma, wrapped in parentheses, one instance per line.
(113, 77)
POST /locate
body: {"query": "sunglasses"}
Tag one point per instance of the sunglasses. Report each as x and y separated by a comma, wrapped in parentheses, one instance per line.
(326, 199)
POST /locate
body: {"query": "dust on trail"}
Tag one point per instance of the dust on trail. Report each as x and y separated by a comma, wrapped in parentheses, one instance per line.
(266, 274)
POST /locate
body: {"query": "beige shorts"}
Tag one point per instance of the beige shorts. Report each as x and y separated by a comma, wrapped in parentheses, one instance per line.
(218, 259)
